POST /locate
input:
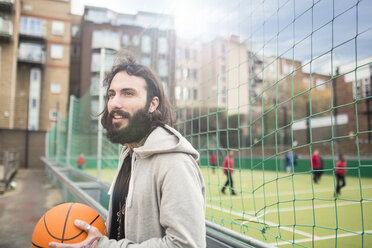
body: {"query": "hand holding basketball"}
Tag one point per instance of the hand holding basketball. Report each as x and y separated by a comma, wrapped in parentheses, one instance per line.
(90, 242)
(69, 225)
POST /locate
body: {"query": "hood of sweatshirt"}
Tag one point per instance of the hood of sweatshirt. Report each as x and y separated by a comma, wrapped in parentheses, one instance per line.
(161, 140)
(165, 140)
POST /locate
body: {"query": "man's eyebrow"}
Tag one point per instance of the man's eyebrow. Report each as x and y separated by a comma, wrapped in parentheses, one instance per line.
(127, 89)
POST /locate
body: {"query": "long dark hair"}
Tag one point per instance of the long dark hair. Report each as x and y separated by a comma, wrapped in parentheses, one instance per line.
(127, 63)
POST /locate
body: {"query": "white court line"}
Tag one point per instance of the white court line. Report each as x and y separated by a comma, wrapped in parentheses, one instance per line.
(257, 218)
(271, 224)
(298, 192)
(320, 238)
(290, 209)
(315, 206)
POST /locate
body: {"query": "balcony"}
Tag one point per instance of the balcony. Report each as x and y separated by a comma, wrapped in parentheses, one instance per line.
(32, 54)
(6, 5)
(32, 36)
(32, 29)
(6, 30)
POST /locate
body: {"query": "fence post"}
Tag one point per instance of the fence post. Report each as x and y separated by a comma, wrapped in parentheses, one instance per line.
(57, 134)
(69, 130)
(100, 102)
(47, 144)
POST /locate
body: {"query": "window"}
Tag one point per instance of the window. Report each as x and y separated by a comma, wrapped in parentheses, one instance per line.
(320, 84)
(223, 52)
(34, 98)
(55, 88)
(178, 53)
(179, 73)
(195, 94)
(94, 107)
(187, 54)
(165, 87)
(94, 85)
(109, 61)
(97, 16)
(357, 91)
(366, 87)
(163, 68)
(96, 62)
(163, 45)
(185, 73)
(146, 44)
(177, 92)
(223, 94)
(286, 69)
(53, 115)
(135, 40)
(146, 61)
(56, 51)
(195, 55)
(32, 26)
(105, 39)
(185, 93)
(75, 50)
(195, 74)
(223, 73)
(58, 27)
(35, 75)
(125, 39)
(74, 30)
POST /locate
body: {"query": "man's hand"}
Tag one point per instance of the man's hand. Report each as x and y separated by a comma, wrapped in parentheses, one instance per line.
(90, 242)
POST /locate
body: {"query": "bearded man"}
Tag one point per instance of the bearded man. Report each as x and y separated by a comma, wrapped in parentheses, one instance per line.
(157, 198)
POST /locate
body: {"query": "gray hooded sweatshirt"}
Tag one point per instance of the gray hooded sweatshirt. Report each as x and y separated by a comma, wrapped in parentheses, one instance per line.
(166, 197)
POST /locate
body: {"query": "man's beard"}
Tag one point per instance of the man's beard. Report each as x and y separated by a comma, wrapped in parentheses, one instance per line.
(138, 127)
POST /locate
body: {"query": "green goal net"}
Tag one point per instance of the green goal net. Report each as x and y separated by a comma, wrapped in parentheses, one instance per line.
(275, 82)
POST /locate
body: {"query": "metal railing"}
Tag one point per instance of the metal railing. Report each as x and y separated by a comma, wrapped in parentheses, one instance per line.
(9, 162)
(86, 189)
(31, 56)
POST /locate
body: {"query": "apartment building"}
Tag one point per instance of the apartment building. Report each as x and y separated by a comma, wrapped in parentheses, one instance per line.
(149, 36)
(188, 73)
(75, 54)
(35, 62)
(225, 75)
(43, 63)
(9, 26)
(352, 95)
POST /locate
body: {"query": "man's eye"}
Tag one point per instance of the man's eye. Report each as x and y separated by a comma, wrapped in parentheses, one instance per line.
(128, 93)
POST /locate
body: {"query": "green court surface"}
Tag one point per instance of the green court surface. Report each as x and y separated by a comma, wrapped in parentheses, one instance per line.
(282, 210)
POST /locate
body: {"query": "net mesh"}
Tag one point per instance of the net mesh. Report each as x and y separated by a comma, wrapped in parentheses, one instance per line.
(294, 78)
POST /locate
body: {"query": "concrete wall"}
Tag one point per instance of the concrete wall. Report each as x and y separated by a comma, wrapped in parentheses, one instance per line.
(29, 144)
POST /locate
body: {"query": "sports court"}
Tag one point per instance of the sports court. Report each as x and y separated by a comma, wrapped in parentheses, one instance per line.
(284, 210)
(265, 79)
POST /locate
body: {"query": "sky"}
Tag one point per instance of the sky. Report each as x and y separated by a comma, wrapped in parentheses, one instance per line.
(325, 32)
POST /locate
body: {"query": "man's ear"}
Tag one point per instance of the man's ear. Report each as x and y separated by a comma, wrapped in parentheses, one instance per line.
(154, 104)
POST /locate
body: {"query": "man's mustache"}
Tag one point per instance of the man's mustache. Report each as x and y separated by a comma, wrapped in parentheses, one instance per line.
(123, 113)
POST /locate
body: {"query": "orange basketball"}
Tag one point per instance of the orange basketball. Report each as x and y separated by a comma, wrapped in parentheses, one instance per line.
(57, 224)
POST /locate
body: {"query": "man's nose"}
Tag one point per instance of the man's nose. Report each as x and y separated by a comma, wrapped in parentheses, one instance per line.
(115, 103)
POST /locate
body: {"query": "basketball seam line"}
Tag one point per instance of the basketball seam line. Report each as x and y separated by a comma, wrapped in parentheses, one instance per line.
(36, 245)
(62, 239)
(82, 231)
(64, 226)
